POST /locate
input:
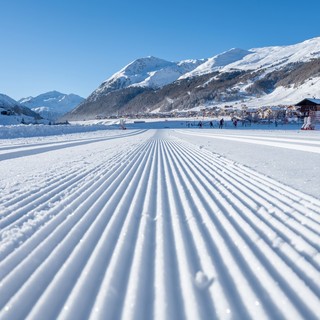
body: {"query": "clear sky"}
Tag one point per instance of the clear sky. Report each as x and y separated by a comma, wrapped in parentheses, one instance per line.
(74, 45)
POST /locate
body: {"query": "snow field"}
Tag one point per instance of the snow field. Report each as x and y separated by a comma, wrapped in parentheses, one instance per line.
(144, 225)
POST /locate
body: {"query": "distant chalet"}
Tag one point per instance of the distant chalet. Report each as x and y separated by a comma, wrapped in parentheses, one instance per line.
(307, 105)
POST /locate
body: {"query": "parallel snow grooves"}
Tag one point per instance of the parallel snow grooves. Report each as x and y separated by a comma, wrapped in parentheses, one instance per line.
(139, 292)
(244, 187)
(51, 237)
(249, 139)
(101, 233)
(187, 257)
(164, 230)
(255, 237)
(168, 302)
(274, 202)
(291, 196)
(210, 258)
(41, 148)
(36, 200)
(23, 197)
(256, 137)
(109, 302)
(219, 207)
(105, 135)
(286, 225)
(78, 184)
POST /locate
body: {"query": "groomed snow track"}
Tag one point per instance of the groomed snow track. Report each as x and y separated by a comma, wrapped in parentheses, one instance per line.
(159, 229)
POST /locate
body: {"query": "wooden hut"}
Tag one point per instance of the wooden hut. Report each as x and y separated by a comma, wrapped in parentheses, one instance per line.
(307, 105)
(310, 110)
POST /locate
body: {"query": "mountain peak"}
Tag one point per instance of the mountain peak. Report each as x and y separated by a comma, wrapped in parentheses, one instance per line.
(149, 72)
(52, 104)
(7, 101)
(143, 65)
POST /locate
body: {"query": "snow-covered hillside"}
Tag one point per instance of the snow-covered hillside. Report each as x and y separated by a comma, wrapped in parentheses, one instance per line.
(154, 72)
(277, 56)
(288, 95)
(269, 58)
(218, 62)
(12, 112)
(146, 72)
(53, 104)
(6, 101)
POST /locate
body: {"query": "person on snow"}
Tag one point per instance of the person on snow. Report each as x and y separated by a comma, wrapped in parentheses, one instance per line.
(221, 122)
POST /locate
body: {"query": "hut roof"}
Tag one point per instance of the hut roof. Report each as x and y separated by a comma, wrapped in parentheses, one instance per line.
(308, 101)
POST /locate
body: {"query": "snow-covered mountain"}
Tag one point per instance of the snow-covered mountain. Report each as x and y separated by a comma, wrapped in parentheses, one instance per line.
(12, 112)
(274, 75)
(218, 62)
(7, 102)
(270, 58)
(51, 105)
(149, 72)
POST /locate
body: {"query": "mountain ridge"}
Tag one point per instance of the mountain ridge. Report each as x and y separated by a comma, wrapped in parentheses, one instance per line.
(234, 76)
(53, 104)
(12, 112)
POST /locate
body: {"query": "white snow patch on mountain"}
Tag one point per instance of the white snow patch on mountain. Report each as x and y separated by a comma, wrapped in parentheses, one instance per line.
(217, 62)
(276, 56)
(53, 104)
(147, 72)
(259, 58)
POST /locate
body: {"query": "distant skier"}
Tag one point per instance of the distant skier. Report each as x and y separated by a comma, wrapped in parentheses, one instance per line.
(221, 122)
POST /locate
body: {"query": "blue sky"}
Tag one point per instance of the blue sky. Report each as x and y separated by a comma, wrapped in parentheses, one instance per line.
(73, 45)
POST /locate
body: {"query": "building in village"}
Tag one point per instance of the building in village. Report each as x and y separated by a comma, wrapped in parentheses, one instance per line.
(310, 110)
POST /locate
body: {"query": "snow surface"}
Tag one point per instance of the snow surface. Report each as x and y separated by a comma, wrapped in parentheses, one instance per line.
(159, 224)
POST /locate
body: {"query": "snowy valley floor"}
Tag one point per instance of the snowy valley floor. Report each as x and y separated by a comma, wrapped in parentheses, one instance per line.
(160, 224)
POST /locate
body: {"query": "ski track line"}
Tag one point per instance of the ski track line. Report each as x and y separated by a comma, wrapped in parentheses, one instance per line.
(19, 197)
(96, 247)
(238, 280)
(66, 208)
(236, 215)
(163, 230)
(26, 151)
(255, 137)
(38, 213)
(271, 201)
(51, 184)
(51, 261)
(236, 198)
(253, 140)
(106, 134)
(35, 200)
(205, 267)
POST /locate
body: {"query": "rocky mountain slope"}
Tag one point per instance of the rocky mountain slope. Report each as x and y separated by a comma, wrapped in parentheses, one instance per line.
(235, 76)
